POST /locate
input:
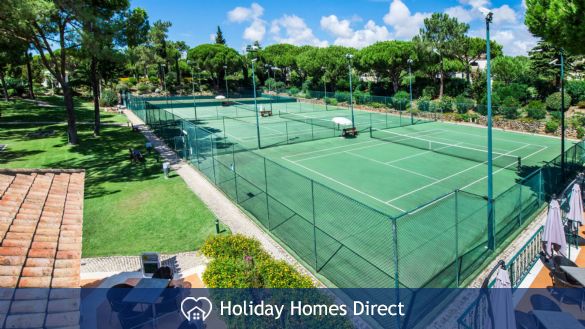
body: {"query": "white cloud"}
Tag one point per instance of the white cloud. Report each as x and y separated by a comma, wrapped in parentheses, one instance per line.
(515, 40)
(293, 30)
(243, 14)
(370, 34)
(338, 28)
(257, 28)
(462, 14)
(404, 24)
(212, 37)
(504, 14)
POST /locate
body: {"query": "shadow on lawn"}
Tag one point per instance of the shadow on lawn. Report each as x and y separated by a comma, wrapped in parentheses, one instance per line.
(29, 111)
(106, 160)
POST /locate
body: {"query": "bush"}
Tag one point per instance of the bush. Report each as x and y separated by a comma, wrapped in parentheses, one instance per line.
(331, 101)
(234, 246)
(580, 132)
(581, 105)
(132, 81)
(464, 104)
(515, 90)
(482, 107)
(551, 126)
(535, 110)
(429, 92)
(293, 91)
(509, 108)
(445, 104)
(122, 87)
(401, 100)
(424, 104)
(108, 98)
(143, 88)
(240, 262)
(576, 89)
(553, 102)
(376, 105)
(556, 115)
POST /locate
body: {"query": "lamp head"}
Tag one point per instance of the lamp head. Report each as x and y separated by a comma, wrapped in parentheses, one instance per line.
(410, 61)
(488, 14)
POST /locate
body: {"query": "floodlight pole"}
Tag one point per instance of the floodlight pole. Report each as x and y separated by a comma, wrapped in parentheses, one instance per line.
(490, 178)
(226, 82)
(256, 103)
(563, 165)
(349, 57)
(410, 83)
(324, 87)
(193, 90)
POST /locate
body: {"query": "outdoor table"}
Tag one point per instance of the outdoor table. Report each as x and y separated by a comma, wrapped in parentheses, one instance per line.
(147, 291)
(556, 320)
(576, 273)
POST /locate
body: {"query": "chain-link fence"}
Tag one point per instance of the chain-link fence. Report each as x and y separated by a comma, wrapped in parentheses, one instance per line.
(439, 244)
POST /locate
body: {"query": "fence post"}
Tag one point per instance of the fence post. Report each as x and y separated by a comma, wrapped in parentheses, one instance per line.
(520, 205)
(266, 192)
(314, 224)
(235, 171)
(457, 260)
(395, 245)
(286, 130)
(540, 182)
(212, 159)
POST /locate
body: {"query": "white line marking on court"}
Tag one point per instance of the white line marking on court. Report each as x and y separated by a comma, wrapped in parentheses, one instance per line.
(419, 154)
(497, 171)
(450, 176)
(389, 165)
(352, 149)
(340, 183)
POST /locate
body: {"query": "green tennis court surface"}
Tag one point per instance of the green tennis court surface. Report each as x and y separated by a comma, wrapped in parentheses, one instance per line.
(403, 204)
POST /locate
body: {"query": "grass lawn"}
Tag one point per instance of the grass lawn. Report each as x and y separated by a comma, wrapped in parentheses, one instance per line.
(129, 208)
(27, 111)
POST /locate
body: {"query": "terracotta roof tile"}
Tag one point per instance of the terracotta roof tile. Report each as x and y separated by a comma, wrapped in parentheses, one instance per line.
(41, 216)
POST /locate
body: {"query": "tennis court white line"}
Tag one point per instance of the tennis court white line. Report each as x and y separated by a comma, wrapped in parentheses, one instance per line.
(389, 165)
(419, 154)
(345, 185)
(379, 143)
(450, 176)
(497, 171)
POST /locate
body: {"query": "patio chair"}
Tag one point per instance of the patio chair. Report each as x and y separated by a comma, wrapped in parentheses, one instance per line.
(115, 295)
(547, 262)
(171, 301)
(543, 303)
(567, 290)
(164, 272)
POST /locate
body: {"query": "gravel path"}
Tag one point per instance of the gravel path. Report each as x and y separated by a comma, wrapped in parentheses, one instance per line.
(223, 208)
(178, 262)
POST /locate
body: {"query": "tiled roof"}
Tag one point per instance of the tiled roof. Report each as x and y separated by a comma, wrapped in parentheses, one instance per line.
(41, 216)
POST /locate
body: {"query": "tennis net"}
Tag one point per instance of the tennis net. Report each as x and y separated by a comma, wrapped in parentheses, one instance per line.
(501, 160)
(247, 107)
(321, 122)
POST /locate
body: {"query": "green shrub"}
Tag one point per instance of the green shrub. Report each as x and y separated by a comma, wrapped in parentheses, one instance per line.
(108, 98)
(331, 101)
(553, 102)
(515, 90)
(581, 105)
(424, 104)
(293, 91)
(376, 105)
(464, 104)
(231, 273)
(576, 89)
(234, 246)
(122, 87)
(446, 104)
(279, 274)
(143, 88)
(535, 110)
(482, 107)
(580, 132)
(132, 81)
(551, 126)
(509, 108)
(430, 92)
(532, 93)
(556, 115)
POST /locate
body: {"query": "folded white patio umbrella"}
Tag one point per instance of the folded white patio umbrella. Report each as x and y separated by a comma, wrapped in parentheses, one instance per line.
(220, 97)
(554, 231)
(341, 121)
(501, 301)
(576, 206)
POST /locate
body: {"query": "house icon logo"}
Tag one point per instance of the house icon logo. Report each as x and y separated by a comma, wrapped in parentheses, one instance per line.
(196, 309)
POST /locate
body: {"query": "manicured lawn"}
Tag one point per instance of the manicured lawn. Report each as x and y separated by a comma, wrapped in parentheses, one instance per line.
(129, 208)
(25, 111)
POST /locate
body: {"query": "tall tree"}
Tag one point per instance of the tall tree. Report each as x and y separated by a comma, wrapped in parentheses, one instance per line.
(212, 58)
(11, 51)
(559, 22)
(136, 33)
(440, 34)
(387, 59)
(469, 50)
(509, 69)
(158, 40)
(48, 26)
(219, 39)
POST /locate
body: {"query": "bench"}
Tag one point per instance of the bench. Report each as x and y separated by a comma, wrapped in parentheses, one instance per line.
(349, 132)
(266, 113)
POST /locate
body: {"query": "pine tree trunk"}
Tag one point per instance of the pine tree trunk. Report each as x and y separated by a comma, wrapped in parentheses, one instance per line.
(69, 107)
(441, 88)
(96, 96)
(31, 93)
(4, 88)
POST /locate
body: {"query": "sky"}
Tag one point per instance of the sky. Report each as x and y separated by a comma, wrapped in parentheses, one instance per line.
(355, 23)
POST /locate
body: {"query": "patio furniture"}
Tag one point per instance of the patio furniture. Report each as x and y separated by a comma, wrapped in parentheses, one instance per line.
(164, 272)
(547, 262)
(556, 320)
(115, 297)
(349, 132)
(576, 273)
(148, 291)
(525, 320)
(543, 303)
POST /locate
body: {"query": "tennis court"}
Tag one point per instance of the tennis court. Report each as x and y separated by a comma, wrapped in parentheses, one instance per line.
(403, 204)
